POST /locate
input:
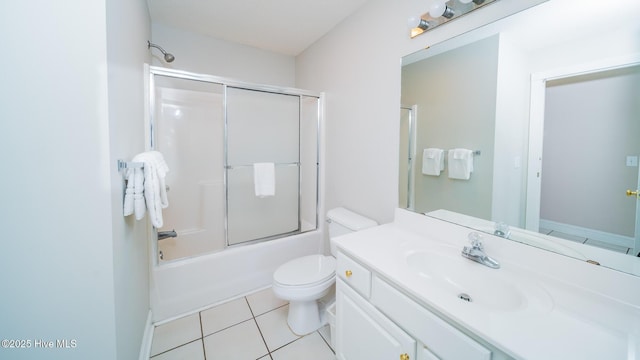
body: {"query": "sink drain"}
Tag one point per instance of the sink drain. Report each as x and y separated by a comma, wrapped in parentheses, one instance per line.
(464, 297)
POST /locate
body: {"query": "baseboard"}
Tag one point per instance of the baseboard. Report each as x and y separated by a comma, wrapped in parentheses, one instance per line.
(609, 238)
(147, 338)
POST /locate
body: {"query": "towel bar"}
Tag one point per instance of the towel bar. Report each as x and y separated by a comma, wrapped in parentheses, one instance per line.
(122, 165)
(475, 152)
(231, 167)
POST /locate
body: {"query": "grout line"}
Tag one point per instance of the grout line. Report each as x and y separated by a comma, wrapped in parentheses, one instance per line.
(325, 341)
(258, 326)
(204, 352)
(173, 348)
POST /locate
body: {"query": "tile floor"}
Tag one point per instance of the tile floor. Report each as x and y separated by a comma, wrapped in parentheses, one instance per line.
(249, 328)
(583, 240)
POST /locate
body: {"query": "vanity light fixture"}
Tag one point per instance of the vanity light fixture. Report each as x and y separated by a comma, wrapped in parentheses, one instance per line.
(440, 8)
(441, 12)
(419, 23)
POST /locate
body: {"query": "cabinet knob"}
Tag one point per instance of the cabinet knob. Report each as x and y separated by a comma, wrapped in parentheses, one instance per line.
(348, 273)
(404, 356)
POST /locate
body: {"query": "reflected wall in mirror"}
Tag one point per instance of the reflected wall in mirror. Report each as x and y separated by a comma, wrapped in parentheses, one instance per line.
(474, 91)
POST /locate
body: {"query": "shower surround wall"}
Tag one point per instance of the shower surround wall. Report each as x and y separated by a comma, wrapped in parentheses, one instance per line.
(211, 130)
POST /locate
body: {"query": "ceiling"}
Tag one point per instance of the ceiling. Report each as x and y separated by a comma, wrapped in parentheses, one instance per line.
(282, 26)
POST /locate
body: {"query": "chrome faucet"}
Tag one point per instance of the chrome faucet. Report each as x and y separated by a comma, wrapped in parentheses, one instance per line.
(166, 234)
(476, 253)
(502, 230)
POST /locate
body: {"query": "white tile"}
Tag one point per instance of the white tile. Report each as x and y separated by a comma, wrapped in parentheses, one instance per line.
(190, 351)
(325, 332)
(224, 316)
(241, 342)
(310, 347)
(264, 301)
(175, 333)
(274, 328)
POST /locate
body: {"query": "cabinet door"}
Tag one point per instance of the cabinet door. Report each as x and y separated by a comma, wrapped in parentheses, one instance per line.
(364, 333)
(425, 354)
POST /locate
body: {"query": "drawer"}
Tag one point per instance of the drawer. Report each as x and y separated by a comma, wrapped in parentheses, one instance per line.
(439, 337)
(354, 274)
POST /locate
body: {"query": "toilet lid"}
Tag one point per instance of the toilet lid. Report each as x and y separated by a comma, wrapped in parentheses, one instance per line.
(306, 270)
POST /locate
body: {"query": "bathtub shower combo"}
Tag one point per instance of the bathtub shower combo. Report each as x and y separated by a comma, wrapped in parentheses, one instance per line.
(217, 135)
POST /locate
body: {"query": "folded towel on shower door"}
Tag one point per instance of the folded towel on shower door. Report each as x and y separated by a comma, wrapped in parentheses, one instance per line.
(264, 179)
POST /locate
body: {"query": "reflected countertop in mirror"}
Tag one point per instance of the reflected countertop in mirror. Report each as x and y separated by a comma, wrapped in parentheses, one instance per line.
(591, 254)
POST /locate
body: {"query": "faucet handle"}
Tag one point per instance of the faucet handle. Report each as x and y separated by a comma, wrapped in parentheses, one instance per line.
(476, 240)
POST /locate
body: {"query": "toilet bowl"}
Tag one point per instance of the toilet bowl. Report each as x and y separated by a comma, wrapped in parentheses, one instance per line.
(305, 280)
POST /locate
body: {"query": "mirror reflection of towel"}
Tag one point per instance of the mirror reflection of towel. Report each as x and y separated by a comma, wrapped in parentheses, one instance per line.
(432, 161)
(460, 164)
(264, 179)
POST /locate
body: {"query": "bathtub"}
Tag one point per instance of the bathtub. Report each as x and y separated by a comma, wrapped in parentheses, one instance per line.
(185, 286)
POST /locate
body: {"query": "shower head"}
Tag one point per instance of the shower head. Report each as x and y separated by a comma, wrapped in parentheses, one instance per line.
(167, 57)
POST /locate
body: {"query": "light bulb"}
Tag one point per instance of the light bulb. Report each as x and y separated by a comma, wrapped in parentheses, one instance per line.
(440, 8)
(418, 22)
(465, 1)
(437, 9)
(413, 22)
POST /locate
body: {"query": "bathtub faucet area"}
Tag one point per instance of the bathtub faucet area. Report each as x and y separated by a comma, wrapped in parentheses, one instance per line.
(167, 234)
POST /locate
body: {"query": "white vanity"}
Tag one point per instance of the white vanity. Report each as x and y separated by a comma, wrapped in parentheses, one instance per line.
(405, 292)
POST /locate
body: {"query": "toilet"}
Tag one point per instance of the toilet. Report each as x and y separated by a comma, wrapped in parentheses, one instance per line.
(305, 280)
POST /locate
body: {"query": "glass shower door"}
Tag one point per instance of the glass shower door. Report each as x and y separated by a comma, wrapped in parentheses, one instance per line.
(262, 127)
(188, 129)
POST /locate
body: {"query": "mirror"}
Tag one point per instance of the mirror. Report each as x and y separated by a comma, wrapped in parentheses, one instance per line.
(485, 91)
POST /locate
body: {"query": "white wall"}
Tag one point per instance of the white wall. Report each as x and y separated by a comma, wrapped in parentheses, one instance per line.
(358, 66)
(512, 114)
(207, 55)
(128, 28)
(57, 257)
(71, 269)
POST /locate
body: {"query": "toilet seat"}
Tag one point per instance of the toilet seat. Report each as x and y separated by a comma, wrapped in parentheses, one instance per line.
(306, 271)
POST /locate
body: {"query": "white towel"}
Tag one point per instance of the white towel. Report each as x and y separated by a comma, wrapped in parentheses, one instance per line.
(432, 161)
(134, 193)
(149, 187)
(138, 193)
(128, 193)
(264, 178)
(460, 164)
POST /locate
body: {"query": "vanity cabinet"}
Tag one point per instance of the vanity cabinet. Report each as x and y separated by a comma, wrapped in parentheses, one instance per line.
(365, 333)
(376, 321)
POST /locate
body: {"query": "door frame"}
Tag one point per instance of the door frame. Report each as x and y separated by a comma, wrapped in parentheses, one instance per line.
(536, 130)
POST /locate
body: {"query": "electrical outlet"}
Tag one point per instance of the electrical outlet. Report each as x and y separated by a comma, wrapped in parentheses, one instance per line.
(632, 161)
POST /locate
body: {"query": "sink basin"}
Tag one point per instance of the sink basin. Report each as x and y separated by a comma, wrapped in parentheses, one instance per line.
(469, 281)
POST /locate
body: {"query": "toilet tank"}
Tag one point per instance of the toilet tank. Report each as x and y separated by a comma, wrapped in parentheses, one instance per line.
(343, 221)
